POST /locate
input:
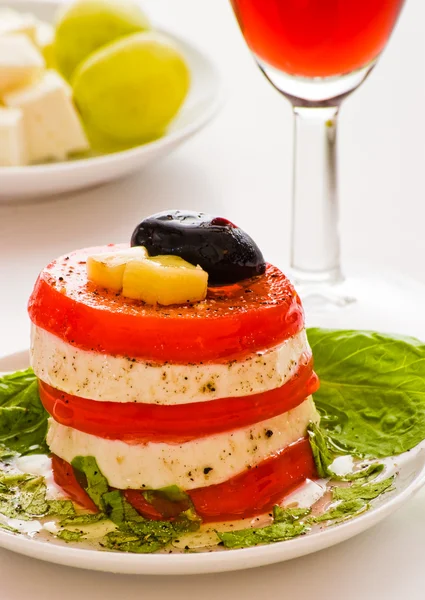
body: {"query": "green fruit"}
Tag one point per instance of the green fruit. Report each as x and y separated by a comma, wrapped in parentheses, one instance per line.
(86, 25)
(101, 144)
(131, 89)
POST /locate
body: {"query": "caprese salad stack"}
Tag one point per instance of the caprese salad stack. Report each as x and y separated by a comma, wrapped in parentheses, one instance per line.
(181, 360)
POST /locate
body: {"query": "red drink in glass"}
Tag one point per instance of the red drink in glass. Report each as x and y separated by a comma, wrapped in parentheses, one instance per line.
(317, 38)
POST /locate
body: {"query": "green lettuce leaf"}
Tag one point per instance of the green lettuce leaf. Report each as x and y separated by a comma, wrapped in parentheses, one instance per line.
(372, 393)
(23, 419)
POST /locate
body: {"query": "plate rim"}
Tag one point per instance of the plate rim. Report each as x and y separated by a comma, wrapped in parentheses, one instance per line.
(214, 104)
(205, 562)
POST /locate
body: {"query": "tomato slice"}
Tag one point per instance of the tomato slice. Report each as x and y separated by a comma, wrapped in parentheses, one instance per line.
(64, 477)
(233, 322)
(136, 423)
(248, 494)
(257, 490)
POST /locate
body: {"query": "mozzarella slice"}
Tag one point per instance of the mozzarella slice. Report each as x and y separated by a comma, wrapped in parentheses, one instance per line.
(197, 463)
(119, 379)
(13, 150)
(20, 62)
(52, 126)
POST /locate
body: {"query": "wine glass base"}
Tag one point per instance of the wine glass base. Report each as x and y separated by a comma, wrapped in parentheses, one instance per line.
(388, 302)
(319, 298)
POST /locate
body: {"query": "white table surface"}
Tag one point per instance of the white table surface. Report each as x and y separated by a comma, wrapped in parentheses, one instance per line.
(241, 167)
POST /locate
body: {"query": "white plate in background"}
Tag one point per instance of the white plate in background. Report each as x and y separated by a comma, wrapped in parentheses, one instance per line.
(200, 107)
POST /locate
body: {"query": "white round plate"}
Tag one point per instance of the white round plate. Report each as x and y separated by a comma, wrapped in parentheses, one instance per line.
(411, 477)
(199, 108)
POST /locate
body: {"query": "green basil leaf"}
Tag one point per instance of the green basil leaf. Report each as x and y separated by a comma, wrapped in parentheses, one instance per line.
(5, 453)
(10, 480)
(368, 491)
(365, 474)
(372, 393)
(23, 419)
(278, 532)
(344, 510)
(69, 536)
(61, 508)
(125, 542)
(95, 483)
(32, 497)
(289, 515)
(119, 510)
(8, 528)
(172, 493)
(84, 519)
(323, 457)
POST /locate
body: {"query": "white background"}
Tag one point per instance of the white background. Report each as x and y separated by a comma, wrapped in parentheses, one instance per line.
(241, 167)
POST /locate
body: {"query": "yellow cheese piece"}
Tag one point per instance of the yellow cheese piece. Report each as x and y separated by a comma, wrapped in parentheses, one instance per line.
(164, 280)
(107, 269)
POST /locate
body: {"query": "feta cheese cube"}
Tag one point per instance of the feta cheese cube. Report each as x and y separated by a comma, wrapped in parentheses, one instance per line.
(52, 125)
(44, 38)
(12, 21)
(20, 62)
(12, 138)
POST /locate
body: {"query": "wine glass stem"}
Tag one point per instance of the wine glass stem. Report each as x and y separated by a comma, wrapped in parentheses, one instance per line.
(315, 250)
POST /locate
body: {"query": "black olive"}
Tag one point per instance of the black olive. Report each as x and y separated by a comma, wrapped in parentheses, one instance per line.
(225, 251)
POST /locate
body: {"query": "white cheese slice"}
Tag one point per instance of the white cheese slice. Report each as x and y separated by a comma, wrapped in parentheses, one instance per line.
(12, 21)
(52, 126)
(13, 150)
(198, 463)
(20, 62)
(108, 378)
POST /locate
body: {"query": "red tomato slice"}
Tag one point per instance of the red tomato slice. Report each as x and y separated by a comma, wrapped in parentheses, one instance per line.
(64, 476)
(248, 494)
(233, 322)
(139, 423)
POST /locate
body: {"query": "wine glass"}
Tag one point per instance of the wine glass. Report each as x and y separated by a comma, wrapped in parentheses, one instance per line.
(316, 52)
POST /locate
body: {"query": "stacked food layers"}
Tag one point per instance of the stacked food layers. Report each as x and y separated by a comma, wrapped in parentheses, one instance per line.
(213, 397)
